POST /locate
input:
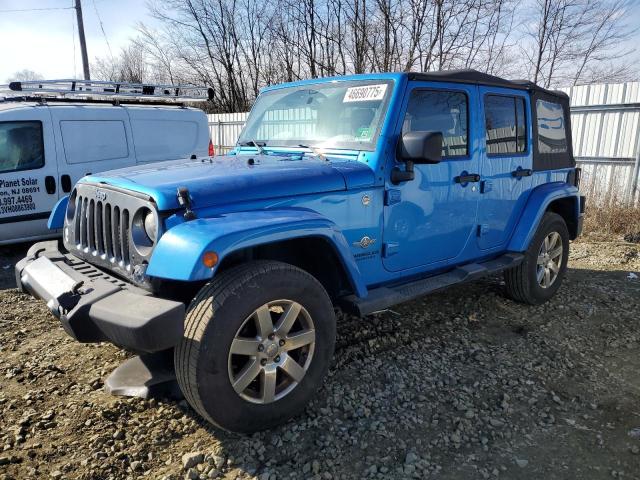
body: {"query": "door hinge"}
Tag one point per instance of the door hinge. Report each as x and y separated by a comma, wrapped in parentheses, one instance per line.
(486, 186)
(483, 229)
(390, 248)
(391, 197)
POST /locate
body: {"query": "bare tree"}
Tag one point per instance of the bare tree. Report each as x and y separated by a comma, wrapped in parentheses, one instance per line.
(24, 75)
(239, 46)
(570, 38)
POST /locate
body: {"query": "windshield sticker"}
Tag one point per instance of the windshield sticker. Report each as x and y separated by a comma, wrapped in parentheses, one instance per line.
(363, 133)
(365, 94)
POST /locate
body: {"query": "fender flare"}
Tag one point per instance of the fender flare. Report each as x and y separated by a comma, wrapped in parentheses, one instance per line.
(178, 254)
(537, 204)
(56, 218)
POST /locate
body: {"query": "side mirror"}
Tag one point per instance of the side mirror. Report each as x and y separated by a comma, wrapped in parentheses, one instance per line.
(420, 147)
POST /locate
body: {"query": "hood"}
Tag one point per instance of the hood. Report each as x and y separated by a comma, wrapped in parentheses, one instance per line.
(237, 178)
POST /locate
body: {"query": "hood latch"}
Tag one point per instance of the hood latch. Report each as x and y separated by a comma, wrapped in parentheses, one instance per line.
(184, 199)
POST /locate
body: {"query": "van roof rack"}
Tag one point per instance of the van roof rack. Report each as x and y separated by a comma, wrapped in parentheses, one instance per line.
(103, 90)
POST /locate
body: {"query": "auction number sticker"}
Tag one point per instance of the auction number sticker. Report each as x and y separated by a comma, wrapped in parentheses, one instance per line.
(366, 93)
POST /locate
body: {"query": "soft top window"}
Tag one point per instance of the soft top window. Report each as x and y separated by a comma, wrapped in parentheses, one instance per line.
(21, 146)
(505, 125)
(552, 135)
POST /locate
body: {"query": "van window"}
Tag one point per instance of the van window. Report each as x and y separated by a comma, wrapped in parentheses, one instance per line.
(21, 146)
(164, 139)
(93, 140)
(505, 124)
(440, 111)
(552, 137)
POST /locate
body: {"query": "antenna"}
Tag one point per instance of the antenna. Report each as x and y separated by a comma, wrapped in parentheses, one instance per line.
(91, 89)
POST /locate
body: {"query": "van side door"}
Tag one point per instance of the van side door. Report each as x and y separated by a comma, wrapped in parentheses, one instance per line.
(506, 164)
(169, 133)
(428, 221)
(91, 139)
(28, 174)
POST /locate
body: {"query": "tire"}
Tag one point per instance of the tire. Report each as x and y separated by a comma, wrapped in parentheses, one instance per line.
(235, 309)
(523, 283)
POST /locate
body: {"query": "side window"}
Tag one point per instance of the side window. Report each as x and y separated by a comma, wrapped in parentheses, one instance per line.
(21, 146)
(505, 124)
(552, 137)
(440, 111)
(93, 140)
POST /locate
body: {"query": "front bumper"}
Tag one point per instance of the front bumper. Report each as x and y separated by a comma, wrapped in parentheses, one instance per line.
(94, 306)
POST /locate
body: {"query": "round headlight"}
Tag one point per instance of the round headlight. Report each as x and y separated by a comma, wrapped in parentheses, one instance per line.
(151, 226)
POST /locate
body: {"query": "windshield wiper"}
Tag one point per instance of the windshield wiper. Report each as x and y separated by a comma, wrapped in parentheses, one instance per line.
(253, 143)
(315, 150)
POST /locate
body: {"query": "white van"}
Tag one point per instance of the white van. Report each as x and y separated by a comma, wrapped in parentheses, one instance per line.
(46, 146)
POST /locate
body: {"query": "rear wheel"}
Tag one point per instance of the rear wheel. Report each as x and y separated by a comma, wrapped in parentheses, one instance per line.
(540, 275)
(258, 342)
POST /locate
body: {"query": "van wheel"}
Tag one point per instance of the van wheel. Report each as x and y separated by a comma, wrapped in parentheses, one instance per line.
(257, 344)
(540, 275)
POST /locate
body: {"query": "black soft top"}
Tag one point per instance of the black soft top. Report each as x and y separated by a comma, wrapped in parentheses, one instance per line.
(479, 78)
(541, 160)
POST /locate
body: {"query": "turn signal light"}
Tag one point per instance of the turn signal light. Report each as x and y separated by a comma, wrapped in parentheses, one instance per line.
(210, 259)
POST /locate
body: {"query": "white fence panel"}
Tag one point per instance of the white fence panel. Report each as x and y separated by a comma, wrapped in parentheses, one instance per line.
(224, 129)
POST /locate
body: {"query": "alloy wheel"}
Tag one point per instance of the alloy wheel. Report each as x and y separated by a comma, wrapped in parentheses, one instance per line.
(549, 260)
(271, 352)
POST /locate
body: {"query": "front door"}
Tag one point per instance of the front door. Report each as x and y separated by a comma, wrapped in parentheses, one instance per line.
(429, 220)
(29, 186)
(506, 166)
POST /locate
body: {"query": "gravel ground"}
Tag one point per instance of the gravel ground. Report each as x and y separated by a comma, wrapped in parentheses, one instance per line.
(459, 384)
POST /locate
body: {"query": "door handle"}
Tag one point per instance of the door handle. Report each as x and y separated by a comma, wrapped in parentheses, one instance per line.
(467, 178)
(522, 172)
(50, 184)
(65, 183)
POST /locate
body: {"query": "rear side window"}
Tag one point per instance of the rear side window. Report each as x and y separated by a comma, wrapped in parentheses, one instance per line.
(21, 146)
(552, 136)
(440, 111)
(164, 139)
(93, 140)
(505, 124)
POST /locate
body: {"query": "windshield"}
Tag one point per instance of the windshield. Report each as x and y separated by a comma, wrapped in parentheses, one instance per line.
(338, 114)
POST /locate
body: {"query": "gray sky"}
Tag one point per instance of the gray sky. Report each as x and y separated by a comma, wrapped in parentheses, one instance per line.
(43, 40)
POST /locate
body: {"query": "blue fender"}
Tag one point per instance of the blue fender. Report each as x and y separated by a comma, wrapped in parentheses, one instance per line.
(539, 200)
(178, 255)
(56, 219)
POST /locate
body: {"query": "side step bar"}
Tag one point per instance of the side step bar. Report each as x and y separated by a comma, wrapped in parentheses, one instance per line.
(385, 297)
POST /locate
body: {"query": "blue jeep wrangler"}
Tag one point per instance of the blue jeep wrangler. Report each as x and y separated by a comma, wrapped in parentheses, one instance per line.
(356, 193)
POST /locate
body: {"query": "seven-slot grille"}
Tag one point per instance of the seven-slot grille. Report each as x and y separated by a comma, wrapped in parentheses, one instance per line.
(102, 229)
(99, 223)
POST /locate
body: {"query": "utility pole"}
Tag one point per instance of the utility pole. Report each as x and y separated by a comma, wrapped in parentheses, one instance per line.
(83, 42)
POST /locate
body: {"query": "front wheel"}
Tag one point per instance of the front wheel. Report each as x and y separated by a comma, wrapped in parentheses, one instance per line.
(540, 275)
(258, 342)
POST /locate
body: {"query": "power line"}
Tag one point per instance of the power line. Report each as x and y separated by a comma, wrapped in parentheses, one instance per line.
(34, 9)
(104, 34)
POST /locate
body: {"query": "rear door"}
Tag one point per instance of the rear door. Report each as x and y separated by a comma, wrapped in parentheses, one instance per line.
(28, 174)
(90, 139)
(506, 164)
